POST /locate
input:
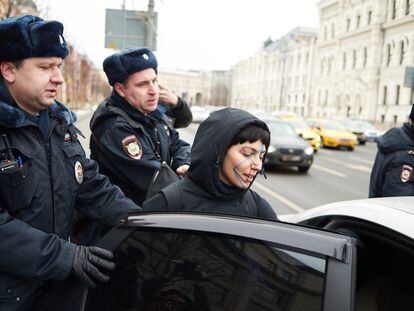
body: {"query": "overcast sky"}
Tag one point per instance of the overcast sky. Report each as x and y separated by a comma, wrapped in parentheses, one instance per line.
(192, 34)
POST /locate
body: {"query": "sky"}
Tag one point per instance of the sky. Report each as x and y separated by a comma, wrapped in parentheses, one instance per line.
(192, 34)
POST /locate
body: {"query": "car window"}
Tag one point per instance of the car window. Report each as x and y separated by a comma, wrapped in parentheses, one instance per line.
(163, 269)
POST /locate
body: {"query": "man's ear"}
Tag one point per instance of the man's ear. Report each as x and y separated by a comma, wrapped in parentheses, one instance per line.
(120, 89)
(7, 70)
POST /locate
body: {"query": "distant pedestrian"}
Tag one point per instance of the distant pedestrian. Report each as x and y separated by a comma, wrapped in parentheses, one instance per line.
(227, 154)
(392, 173)
(44, 173)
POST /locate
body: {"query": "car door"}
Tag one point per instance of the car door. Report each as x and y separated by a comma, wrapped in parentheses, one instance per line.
(207, 262)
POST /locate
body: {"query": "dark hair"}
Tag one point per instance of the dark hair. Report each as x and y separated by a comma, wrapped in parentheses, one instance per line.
(252, 133)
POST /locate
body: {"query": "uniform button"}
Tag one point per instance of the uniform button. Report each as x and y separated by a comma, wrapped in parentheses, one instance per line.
(18, 299)
(9, 291)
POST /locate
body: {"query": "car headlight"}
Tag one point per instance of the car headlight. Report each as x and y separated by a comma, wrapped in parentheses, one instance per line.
(271, 149)
(309, 151)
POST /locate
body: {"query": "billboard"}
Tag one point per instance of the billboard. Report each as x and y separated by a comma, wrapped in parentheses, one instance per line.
(126, 28)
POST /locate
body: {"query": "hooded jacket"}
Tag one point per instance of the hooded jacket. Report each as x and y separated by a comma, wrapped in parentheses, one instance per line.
(116, 122)
(393, 170)
(37, 200)
(202, 189)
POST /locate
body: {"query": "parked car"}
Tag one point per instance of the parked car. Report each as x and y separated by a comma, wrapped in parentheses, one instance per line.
(199, 114)
(287, 148)
(186, 261)
(333, 134)
(384, 231)
(304, 131)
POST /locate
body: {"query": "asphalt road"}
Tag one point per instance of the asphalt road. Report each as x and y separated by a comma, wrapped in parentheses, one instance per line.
(335, 175)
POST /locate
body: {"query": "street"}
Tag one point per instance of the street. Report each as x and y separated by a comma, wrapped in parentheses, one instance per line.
(336, 175)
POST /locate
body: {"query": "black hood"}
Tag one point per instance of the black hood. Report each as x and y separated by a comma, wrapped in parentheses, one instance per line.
(397, 139)
(211, 141)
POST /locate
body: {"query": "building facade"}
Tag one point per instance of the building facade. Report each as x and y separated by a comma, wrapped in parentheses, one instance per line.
(354, 65)
(278, 77)
(363, 49)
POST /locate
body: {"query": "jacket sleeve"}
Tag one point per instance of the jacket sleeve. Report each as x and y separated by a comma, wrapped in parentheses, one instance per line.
(182, 114)
(376, 179)
(101, 200)
(264, 210)
(181, 153)
(156, 203)
(136, 173)
(30, 253)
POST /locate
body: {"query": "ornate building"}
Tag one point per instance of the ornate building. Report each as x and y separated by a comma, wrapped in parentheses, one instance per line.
(363, 49)
(278, 77)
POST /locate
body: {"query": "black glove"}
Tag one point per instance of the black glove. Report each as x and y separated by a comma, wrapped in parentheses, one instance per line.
(88, 262)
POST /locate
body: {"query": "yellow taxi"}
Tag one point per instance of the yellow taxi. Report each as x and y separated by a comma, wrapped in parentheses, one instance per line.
(333, 134)
(303, 130)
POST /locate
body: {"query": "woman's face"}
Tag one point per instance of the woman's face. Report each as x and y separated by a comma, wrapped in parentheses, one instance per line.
(241, 163)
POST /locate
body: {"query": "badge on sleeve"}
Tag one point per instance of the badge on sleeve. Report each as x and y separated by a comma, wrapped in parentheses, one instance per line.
(78, 172)
(406, 173)
(132, 147)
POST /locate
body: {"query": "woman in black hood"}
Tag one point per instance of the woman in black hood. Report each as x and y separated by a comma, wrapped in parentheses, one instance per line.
(227, 154)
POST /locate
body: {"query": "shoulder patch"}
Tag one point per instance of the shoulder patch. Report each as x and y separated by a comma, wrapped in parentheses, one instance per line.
(133, 147)
(406, 173)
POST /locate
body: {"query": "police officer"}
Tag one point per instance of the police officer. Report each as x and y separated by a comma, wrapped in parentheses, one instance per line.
(392, 173)
(44, 174)
(130, 135)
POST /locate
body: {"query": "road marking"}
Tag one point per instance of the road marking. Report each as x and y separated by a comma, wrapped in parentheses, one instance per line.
(351, 166)
(279, 197)
(361, 160)
(327, 170)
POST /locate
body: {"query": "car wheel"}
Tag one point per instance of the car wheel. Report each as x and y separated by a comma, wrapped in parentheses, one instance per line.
(315, 150)
(362, 142)
(322, 144)
(350, 148)
(303, 169)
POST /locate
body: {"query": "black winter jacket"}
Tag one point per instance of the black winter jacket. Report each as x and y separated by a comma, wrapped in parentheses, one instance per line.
(393, 170)
(115, 126)
(200, 190)
(38, 199)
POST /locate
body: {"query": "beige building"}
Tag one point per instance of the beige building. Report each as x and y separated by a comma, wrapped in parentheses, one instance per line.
(363, 49)
(199, 88)
(278, 77)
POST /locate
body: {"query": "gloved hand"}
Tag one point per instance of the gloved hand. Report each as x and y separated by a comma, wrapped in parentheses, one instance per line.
(88, 262)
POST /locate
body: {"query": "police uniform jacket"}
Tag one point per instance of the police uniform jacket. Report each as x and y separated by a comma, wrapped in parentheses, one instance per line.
(392, 173)
(202, 190)
(129, 146)
(37, 200)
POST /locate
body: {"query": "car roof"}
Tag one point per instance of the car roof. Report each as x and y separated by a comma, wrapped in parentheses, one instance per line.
(396, 213)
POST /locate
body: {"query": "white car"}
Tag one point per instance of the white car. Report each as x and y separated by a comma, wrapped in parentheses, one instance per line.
(384, 230)
(199, 114)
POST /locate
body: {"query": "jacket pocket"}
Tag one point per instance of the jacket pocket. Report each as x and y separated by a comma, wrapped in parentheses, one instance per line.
(17, 187)
(12, 287)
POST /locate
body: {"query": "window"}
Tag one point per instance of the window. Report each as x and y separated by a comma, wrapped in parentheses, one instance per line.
(369, 17)
(407, 7)
(348, 24)
(388, 54)
(384, 100)
(393, 9)
(365, 56)
(354, 60)
(182, 270)
(358, 21)
(326, 98)
(395, 119)
(332, 31)
(402, 52)
(382, 118)
(325, 33)
(344, 60)
(397, 95)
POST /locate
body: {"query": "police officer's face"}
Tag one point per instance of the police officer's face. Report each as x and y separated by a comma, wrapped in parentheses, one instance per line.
(140, 90)
(34, 83)
(241, 164)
